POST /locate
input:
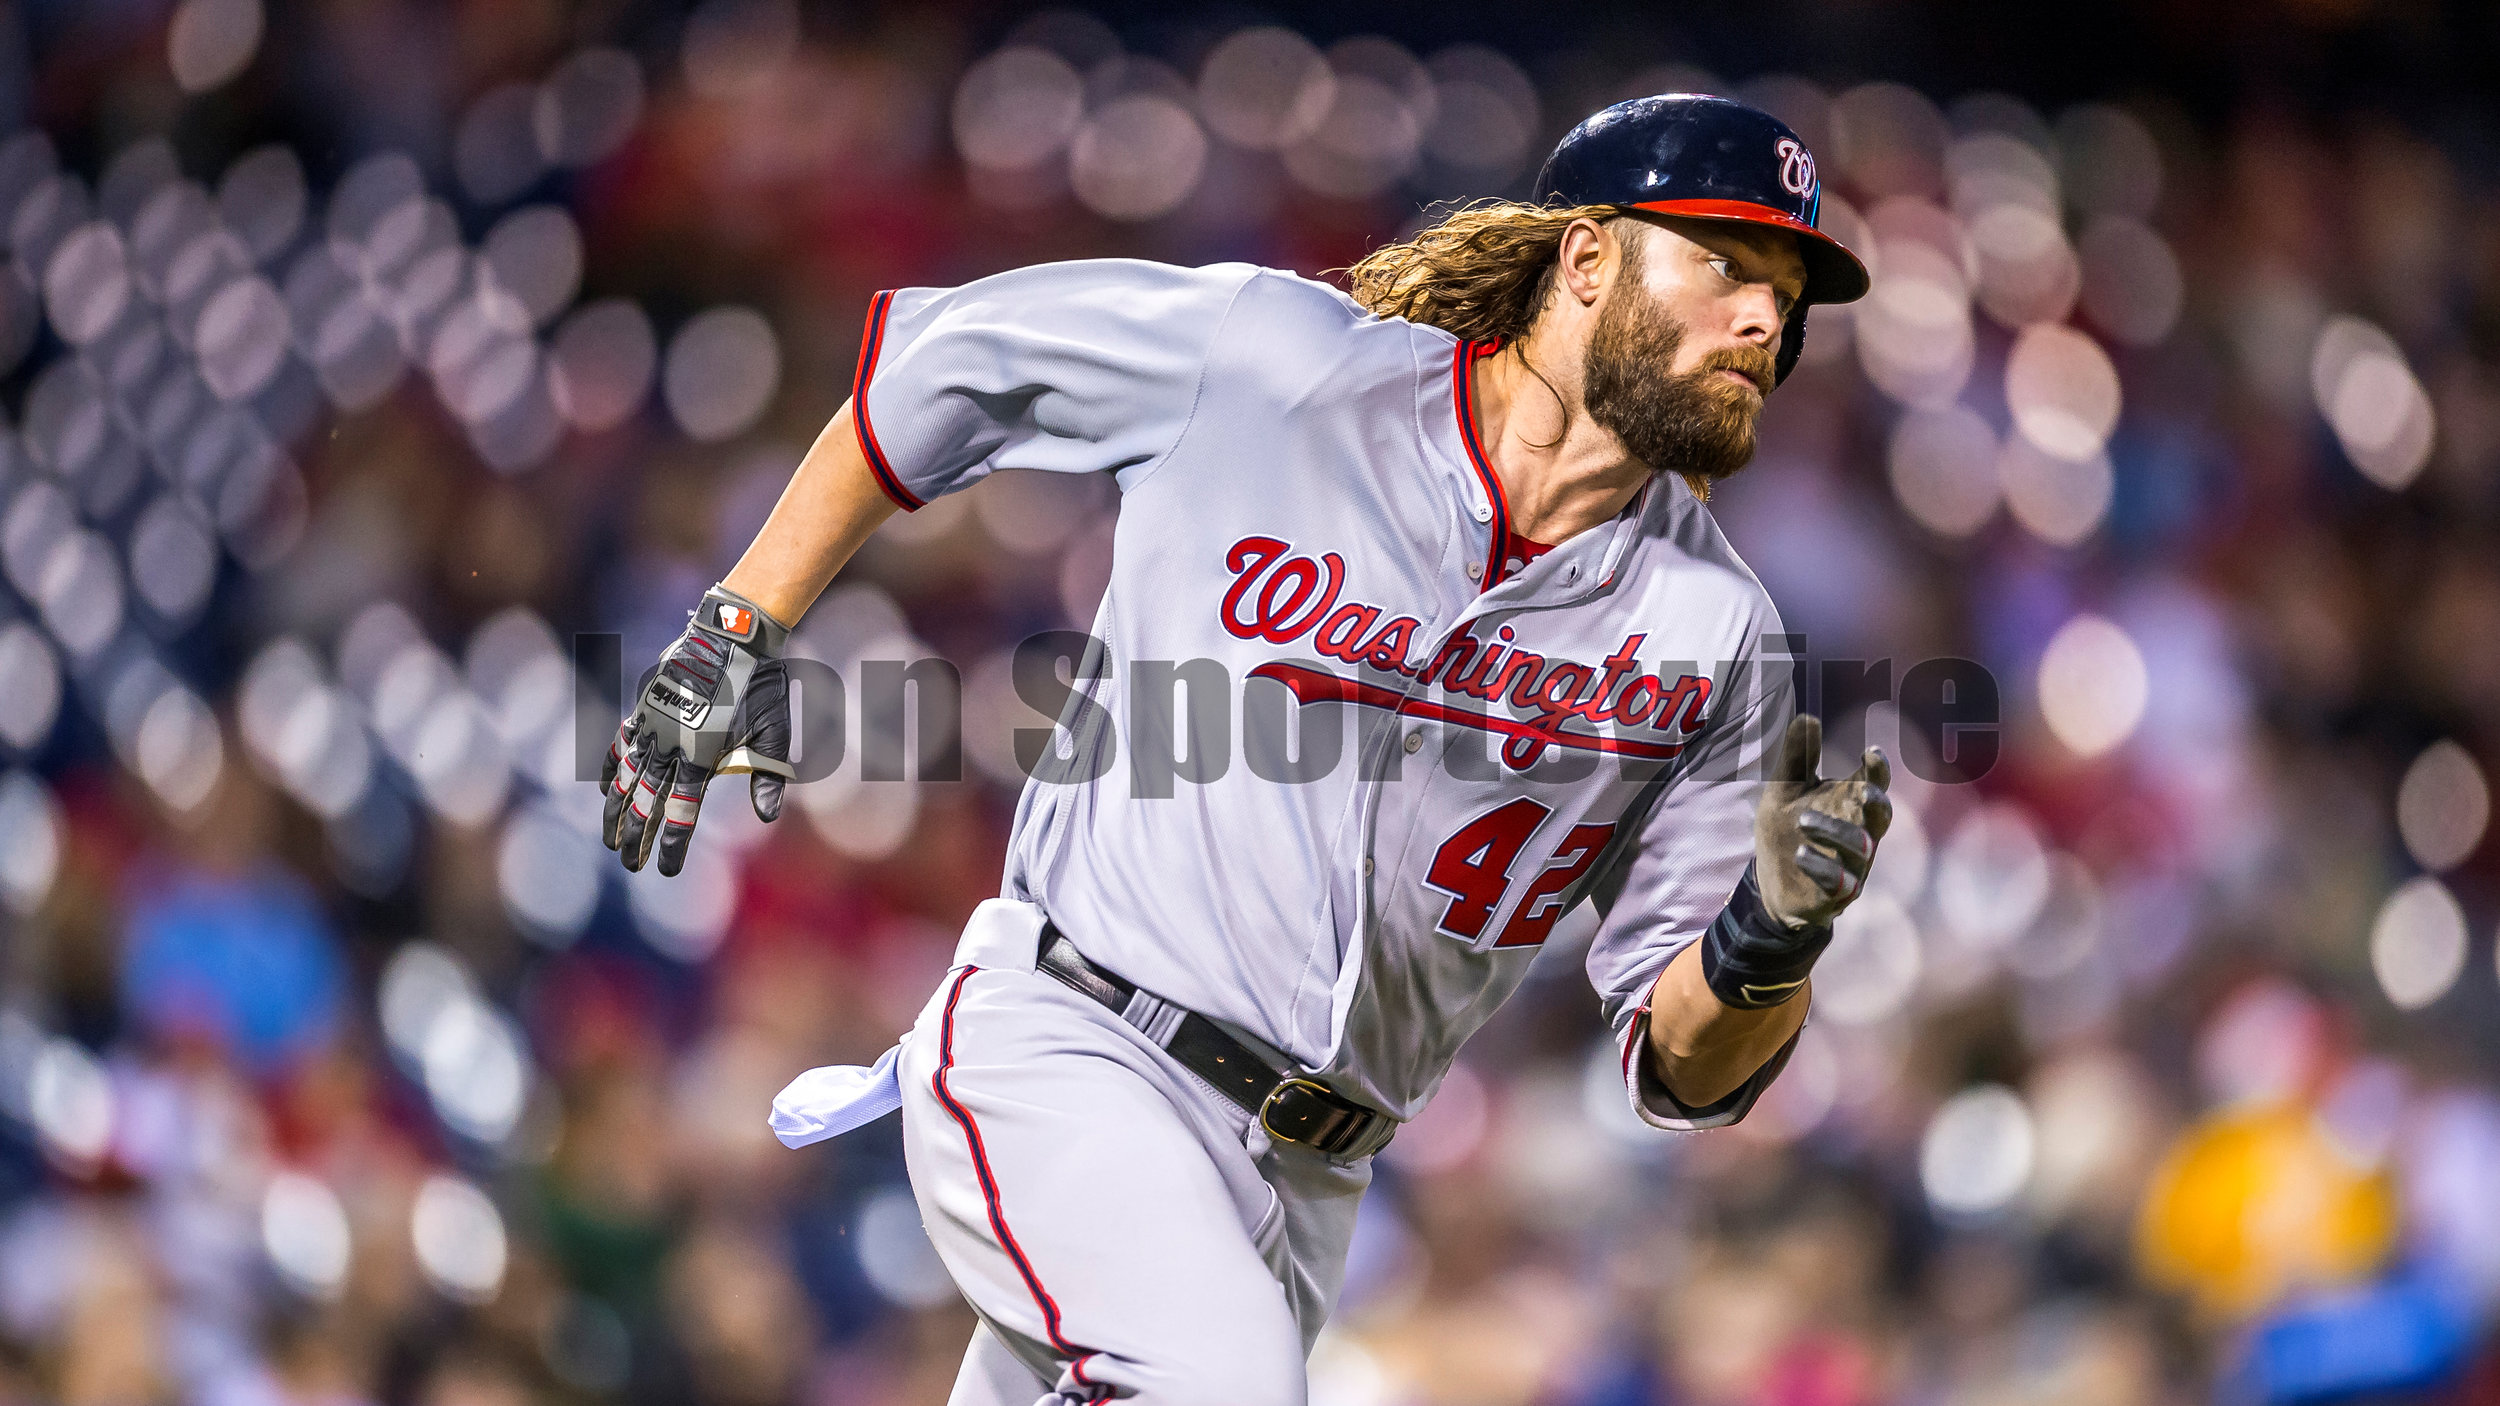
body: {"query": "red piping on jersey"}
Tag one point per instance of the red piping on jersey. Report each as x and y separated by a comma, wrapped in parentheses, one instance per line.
(1463, 386)
(989, 1183)
(872, 341)
(1320, 686)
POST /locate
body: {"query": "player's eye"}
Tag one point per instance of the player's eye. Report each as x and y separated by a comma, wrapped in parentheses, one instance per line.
(1726, 269)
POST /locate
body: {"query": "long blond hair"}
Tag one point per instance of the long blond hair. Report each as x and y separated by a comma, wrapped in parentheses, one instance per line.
(1483, 273)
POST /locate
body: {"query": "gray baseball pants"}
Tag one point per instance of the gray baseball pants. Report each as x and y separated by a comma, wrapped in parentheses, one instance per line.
(1124, 1232)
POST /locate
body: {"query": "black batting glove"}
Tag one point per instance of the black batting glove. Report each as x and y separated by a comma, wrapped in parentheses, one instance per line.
(718, 703)
(1814, 841)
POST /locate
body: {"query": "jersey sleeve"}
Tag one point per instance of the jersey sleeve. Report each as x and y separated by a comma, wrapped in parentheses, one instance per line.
(1080, 367)
(1681, 863)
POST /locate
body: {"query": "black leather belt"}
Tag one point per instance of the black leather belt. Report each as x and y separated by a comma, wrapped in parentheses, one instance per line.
(1292, 1107)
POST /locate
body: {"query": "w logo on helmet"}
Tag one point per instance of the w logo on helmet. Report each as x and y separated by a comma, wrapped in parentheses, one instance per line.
(1796, 166)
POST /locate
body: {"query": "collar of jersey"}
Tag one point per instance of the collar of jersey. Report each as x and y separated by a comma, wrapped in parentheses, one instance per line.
(1463, 396)
(1627, 523)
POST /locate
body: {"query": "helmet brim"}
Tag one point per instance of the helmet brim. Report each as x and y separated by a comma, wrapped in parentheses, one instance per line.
(1833, 274)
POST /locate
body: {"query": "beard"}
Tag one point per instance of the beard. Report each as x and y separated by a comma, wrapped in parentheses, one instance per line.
(1695, 423)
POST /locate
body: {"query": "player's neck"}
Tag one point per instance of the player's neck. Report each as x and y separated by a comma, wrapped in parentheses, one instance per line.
(1562, 473)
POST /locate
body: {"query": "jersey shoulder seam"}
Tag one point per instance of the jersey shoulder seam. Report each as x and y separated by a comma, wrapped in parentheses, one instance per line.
(1198, 393)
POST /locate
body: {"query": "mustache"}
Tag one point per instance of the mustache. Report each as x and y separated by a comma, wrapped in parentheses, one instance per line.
(1752, 363)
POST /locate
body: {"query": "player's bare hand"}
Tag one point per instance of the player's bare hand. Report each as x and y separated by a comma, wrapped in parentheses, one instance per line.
(719, 703)
(1814, 839)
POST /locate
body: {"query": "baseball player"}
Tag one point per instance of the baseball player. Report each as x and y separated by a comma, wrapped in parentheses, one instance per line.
(1444, 543)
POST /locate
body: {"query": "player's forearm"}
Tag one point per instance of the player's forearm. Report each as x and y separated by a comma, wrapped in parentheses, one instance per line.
(1704, 1048)
(830, 506)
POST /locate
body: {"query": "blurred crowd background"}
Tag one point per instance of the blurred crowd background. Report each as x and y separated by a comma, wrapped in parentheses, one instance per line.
(359, 356)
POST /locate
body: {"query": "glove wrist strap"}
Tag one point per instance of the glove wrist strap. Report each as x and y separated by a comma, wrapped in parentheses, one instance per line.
(725, 612)
(1750, 959)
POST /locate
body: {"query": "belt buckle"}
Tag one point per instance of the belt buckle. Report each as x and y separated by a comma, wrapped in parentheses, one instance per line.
(1335, 1133)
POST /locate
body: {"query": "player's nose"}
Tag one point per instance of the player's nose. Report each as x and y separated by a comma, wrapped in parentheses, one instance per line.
(1756, 315)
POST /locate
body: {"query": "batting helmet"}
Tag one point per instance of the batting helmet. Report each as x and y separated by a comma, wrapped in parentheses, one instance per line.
(1707, 158)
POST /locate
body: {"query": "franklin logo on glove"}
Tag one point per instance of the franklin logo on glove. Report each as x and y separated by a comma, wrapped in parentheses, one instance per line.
(663, 750)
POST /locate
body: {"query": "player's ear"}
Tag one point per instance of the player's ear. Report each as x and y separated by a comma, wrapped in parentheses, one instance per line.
(1590, 253)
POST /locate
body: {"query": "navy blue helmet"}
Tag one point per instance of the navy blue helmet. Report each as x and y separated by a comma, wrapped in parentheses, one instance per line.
(1708, 158)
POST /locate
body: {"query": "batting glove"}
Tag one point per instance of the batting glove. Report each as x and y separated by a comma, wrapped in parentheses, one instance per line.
(719, 703)
(1814, 841)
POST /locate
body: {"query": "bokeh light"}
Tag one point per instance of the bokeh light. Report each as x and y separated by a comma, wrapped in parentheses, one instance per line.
(241, 337)
(86, 282)
(495, 150)
(2062, 390)
(2027, 271)
(2069, 929)
(1889, 139)
(179, 750)
(1992, 169)
(1265, 88)
(474, 1070)
(535, 254)
(587, 107)
(686, 916)
(31, 818)
(305, 735)
(1978, 1151)
(1992, 877)
(459, 1238)
(2369, 395)
(2417, 943)
(600, 366)
(262, 199)
(30, 686)
(1913, 328)
(70, 1099)
(304, 1231)
(173, 559)
(1016, 109)
(1368, 138)
(2132, 288)
(2093, 685)
(420, 982)
(1138, 158)
(2263, 1043)
(1485, 113)
(210, 42)
(2442, 806)
(864, 821)
(1943, 466)
(895, 1253)
(1868, 973)
(722, 370)
(2060, 501)
(549, 872)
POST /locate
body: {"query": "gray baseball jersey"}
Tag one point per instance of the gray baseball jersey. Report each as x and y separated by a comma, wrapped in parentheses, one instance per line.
(1406, 760)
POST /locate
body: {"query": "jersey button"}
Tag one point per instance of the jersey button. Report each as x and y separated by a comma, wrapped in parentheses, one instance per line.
(1475, 571)
(1414, 743)
(1367, 866)
(1484, 512)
